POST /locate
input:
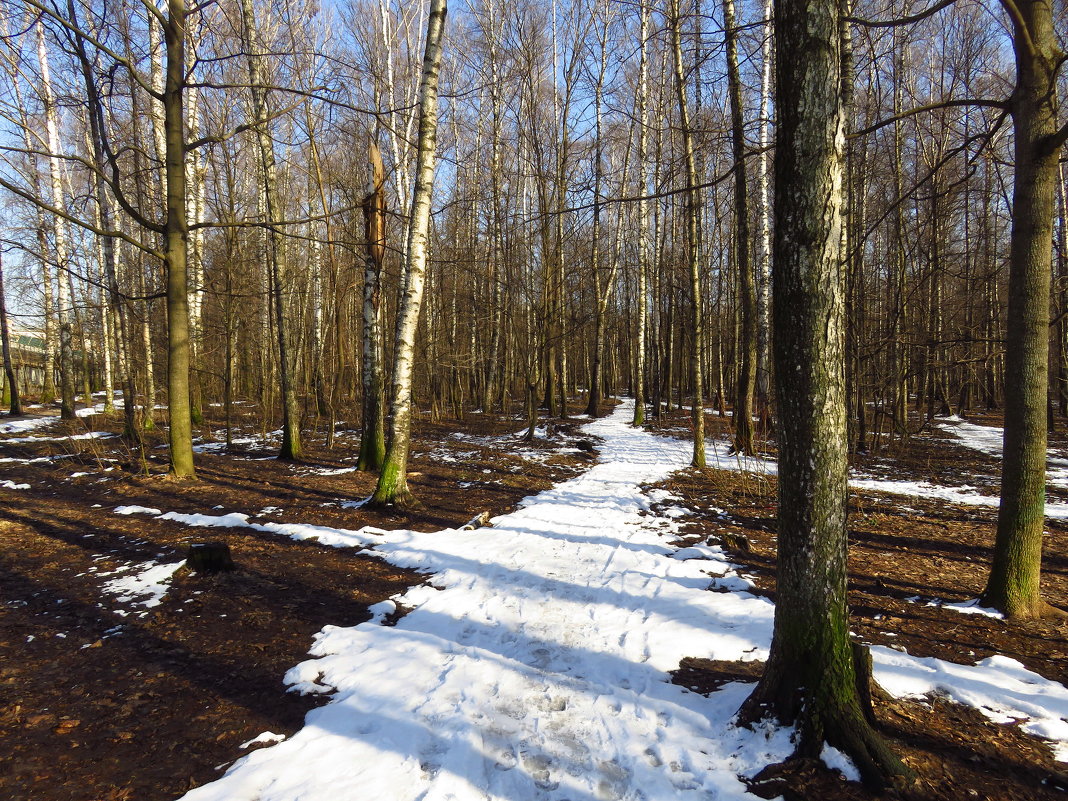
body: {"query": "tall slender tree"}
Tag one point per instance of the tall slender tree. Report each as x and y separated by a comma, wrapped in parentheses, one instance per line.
(392, 486)
(373, 438)
(1014, 585)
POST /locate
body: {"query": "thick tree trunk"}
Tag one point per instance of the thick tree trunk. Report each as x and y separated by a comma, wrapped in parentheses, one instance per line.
(1014, 583)
(810, 677)
(392, 486)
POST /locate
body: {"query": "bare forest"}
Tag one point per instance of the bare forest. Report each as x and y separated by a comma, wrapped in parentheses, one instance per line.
(765, 302)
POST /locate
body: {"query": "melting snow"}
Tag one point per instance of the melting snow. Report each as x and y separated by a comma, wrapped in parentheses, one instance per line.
(142, 584)
(533, 664)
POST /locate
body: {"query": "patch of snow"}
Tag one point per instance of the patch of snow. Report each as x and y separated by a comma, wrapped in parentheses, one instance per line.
(984, 439)
(326, 471)
(20, 425)
(11, 485)
(137, 510)
(208, 521)
(836, 760)
(381, 610)
(999, 687)
(87, 435)
(965, 496)
(967, 607)
(144, 585)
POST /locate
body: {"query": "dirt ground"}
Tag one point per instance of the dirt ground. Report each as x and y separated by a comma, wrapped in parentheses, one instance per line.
(901, 548)
(102, 700)
(105, 701)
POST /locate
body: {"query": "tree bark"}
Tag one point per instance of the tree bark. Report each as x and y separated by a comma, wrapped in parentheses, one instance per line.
(693, 216)
(276, 244)
(373, 438)
(176, 236)
(748, 346)
(641, 106)
(14, 403)
(810, 676)
(392, 489)
(59, 230)
(1014, 585)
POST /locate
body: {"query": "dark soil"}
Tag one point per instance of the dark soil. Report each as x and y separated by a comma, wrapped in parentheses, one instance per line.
(904, 553)
(102, 700)
(107, 701)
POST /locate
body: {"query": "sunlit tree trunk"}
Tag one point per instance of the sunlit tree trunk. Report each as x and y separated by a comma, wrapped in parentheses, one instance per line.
(763, 252)
(1014, 586)
(693, 214)
(373, 438)
(176, 236)
(392, 486)
(281, 303)
(810, 677)
(59, 232)
(14, 403)
(748, 346)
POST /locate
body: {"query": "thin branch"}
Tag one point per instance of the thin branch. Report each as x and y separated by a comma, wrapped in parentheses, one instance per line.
(891, 23)
(62, 213)
(1002, 105)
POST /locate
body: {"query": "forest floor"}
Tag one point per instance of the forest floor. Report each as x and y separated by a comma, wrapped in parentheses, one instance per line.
(126, 677)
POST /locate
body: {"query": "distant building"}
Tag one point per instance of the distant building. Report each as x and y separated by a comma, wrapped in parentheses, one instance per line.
(28, 359)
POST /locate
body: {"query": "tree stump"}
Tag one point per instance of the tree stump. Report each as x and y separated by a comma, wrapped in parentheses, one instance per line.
(209, 557)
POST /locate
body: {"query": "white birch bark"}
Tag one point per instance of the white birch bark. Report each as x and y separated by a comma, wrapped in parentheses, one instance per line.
(59, 232)
(763, 254)
(641, 106)
(392, 484)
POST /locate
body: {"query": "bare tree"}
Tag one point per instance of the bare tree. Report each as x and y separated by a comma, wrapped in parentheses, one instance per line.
(392, 486)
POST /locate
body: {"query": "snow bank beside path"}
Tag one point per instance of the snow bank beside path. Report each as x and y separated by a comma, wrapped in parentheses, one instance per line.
(999, 687)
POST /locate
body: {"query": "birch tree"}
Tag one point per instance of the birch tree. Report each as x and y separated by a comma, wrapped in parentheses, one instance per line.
(693, 249)
(392, 489)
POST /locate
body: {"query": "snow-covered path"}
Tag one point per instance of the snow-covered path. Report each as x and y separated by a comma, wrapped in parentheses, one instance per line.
(534, 665)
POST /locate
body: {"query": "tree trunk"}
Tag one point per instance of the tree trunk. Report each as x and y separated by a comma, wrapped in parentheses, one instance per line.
(176, 238)
(373, 437)
(810, 676)
(763, 266)
(693, 214)
(392, 486)
(641, 103)
(59, 229)
(276, 244)
(15, 405)
(1014, 583)
(748, 357)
